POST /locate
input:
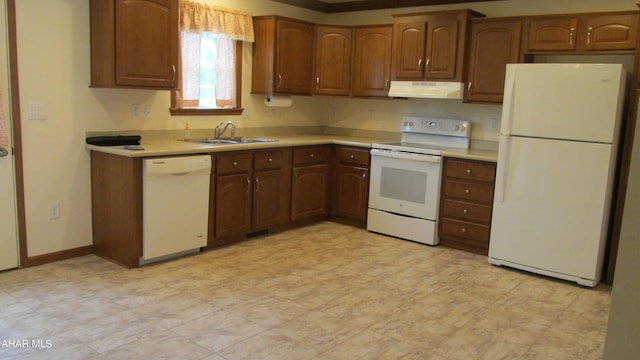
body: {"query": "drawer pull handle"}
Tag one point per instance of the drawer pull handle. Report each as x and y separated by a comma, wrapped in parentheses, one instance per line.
(352, 157)
(235, 163)
(467, 191)
(270, 160)
(465, 211)
(469, 171)
(464, 230)
(312, 155)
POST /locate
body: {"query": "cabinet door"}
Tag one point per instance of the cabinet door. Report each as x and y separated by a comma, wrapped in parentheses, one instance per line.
(309, 191)
(294, 57)
(408, 49)
(552, 34)
(610, 32)
(270, 198)
(233, 204)
(351, 193)
(333, 60)
(146, 43)
(441, 51)
(372, 61)
(493, 45)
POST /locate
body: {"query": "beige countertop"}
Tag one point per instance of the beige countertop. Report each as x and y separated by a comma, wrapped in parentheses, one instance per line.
(153, 148)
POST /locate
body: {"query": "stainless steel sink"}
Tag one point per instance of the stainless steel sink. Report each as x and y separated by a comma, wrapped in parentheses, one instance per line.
(230, 141)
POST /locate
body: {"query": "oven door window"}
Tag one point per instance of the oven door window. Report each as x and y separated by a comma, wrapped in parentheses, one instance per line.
(405, 186)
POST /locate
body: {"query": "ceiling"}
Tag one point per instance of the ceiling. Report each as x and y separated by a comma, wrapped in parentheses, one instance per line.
(336, 6)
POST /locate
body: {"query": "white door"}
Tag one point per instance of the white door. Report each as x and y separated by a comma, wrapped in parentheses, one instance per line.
(551, 205)
(563, 101)
(8, 228)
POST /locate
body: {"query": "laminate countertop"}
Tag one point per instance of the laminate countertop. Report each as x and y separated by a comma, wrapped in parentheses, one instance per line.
(154, 148)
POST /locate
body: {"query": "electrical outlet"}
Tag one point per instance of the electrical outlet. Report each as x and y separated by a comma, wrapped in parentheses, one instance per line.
(37, 112)
(495, 124)
(147, 112)
(54, 210)
(135, 111)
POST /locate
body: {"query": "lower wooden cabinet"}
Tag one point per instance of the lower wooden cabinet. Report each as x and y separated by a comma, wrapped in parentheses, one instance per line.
(251, 193)
(350, 191)
(466, 202)
(310, 182)
(233, 193)
(271, 188)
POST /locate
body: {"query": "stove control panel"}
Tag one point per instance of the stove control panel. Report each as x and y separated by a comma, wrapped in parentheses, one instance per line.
(446, 127)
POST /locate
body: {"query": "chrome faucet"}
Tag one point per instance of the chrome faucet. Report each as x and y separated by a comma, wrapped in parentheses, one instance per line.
(218, 132)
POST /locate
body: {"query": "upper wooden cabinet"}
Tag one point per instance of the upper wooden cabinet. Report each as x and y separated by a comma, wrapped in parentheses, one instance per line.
(134, 43)
(429, 45)
(333, 60)
(282, 56)
(372, 60)
(582, 33)
(494, 44)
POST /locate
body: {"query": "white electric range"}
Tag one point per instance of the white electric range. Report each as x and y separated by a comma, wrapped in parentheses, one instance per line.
(405, 177)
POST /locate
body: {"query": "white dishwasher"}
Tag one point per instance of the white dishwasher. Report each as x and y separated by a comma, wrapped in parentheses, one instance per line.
(175, 206)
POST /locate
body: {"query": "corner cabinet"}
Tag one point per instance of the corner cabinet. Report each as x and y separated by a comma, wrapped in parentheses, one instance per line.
(494, 44)
(282, 56)
(466, 204)
(429, 46)
(372, 60)
(582, 33)
(134, 43)
(350, 191)
(333, 60)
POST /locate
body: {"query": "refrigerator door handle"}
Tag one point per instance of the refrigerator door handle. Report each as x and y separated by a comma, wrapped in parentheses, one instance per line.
(507, 104)
(502, 170)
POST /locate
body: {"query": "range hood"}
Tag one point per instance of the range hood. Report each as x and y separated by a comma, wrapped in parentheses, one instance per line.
(426, 89)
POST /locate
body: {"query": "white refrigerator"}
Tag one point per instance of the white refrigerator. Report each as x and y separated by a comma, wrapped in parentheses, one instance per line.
(556, 167)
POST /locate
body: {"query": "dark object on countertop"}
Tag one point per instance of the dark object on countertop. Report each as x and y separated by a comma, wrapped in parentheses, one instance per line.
(114, 140)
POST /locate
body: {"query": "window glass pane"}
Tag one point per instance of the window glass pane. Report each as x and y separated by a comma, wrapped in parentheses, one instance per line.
(208, 72)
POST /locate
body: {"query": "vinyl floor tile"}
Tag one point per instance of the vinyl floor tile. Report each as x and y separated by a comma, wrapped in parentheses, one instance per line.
(322, 292)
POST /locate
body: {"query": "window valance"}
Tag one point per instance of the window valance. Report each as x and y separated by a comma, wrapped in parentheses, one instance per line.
(238, 25)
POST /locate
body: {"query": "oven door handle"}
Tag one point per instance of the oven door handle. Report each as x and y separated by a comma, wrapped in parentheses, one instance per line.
(406, 156)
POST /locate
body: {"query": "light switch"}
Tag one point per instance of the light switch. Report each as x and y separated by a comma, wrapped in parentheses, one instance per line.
(37, 111)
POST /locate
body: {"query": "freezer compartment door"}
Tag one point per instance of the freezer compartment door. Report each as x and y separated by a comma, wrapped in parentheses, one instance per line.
(580, 102)
(554, 208)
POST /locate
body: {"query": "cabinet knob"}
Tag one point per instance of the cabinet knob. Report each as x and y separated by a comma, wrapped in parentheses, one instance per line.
(352, 157)
(235, 163)
(467, 191)
(465, 211)
(464, 230)
(469, 171)
(312, 155)
(270, 160)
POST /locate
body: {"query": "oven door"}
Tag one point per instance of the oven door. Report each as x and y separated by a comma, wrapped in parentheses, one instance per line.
(405, 183)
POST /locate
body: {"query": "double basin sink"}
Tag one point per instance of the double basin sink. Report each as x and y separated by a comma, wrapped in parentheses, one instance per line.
(231, 141)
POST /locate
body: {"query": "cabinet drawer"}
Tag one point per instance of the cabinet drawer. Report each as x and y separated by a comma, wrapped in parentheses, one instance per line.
(234, 163)
(311, 155)
(353, 156)
(478, 171)
(465, 230)
(272, 159)
(469, 191)
(466, 211)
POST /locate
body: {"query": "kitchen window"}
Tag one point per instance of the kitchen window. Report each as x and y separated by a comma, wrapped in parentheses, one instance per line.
(210, 69)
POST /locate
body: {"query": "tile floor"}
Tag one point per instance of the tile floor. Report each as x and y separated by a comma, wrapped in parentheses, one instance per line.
(325, 291)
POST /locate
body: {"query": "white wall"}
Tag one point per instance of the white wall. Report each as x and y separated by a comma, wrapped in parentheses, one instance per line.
(53, 61)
